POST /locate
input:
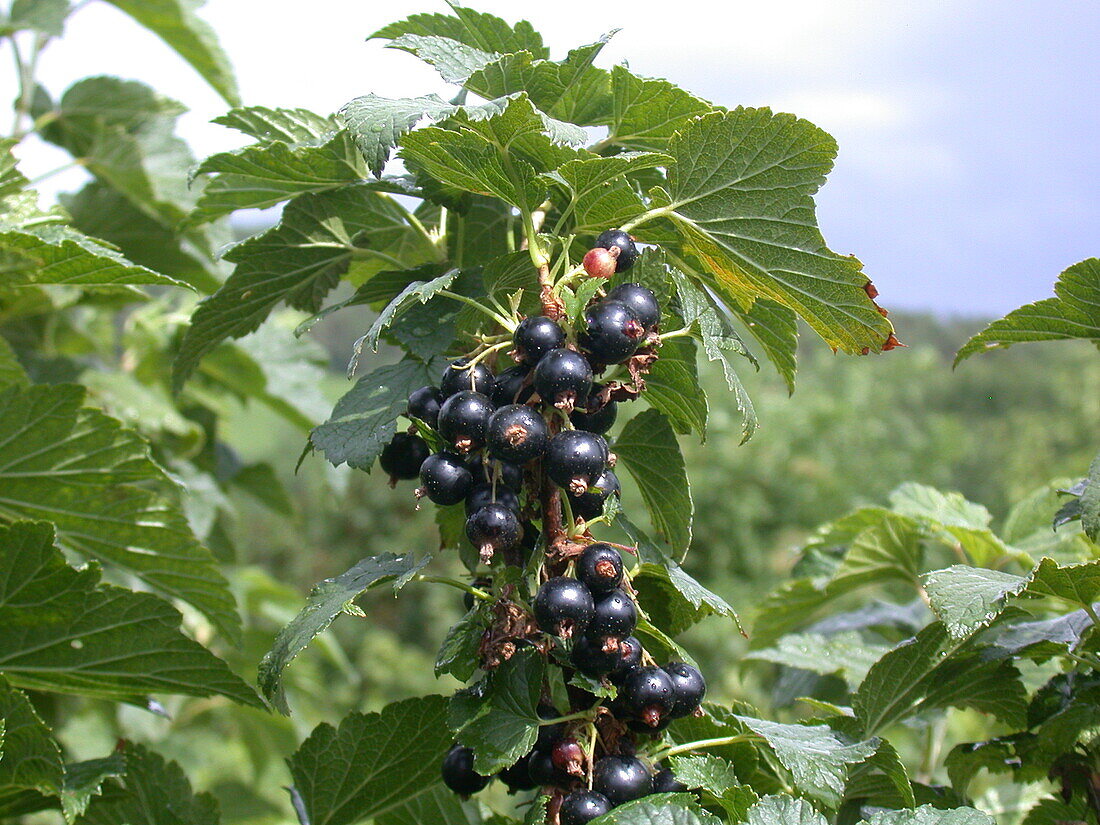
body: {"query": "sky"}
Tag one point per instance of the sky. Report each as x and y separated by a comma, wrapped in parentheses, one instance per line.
(968, 175)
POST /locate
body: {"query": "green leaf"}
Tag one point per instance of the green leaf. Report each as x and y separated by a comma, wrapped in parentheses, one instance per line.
(458, 654)
(416, 292)
(326, 601)
(288, 125)
(928, 815)
(483, 31)
(742, 190)
(1038, 640)
(11, 371)
(373, 762)
(45, 16)
(958, 520)
(1077, 584)
(966, 598)
(70, 634)
(31, 758)
(648, 113)
(1090, 501)
(84, 781)
(659, 809)
(647, 447)
(672, 386)
(505, 728)
(599, 194)
(1073, 312)
(176, 23)
(784, 810)
(844, 654)
(453, 60)
(776, 330)
(362, 422)
(719, 778)
(438, 806)
(152, 791)
(80, 469)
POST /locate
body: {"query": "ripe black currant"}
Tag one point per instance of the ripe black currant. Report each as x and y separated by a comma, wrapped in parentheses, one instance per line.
(665, 781)
(513, 386)
(563, 607)
(592, 658)
(690, 688)
(445, 479)
(648, 695)
(616, 238)
(595, 420)
(536, 336)
(458, 377)
(518, 777)
(621, 779)
(581, 807)
(481, 584)
(563, 378)
(464, 418)
(542, 771)
(589, 504)
(568, 756)
(516, 433)
(641, 300)
(459, 774)
(630, 657)
(402, 457)
(599, 262)
(600, 567)
(424, 404)
(614, 614)
(484, 469)
(612, 332)
(575, 459)
(482, 494)
(494, 527)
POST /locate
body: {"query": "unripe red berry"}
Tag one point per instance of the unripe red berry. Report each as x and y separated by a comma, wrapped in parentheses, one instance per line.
(599, 262)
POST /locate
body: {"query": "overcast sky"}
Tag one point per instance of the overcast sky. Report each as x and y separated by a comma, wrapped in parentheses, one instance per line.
(969, 170)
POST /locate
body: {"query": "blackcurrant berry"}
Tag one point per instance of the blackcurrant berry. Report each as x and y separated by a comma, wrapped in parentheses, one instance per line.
(536, 336)
(568, 756)
(516, 433)
(589, 504)
(424, 404)
(480, 584)
(599, 262)
(648, 695)
(459, 774)
(563, 378)
(621, 779)
(482, 494)
(484, 470)
(563, 607)
(458, 377)
(464, 419)
(493, 528)
(597, 421)
(612, 332)
(630, 657)
(575, 459)
(665, 781)
(445, 479)
(592, 658)
(402, 457)
(690, 688)
(614, 614)
(628, 253)
(542, 771)
(518, 777)
(513, 386)
(581, 807)
(600, 567)
(641, 300)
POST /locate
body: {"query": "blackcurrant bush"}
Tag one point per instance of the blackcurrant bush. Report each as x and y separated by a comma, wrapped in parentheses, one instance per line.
(516, 433)
(575, 459)
(482, 494)
(648, 695)
(581, 807)
(568, 756)
(617, 239)
(690, 688)
(563, 607)
(599, 262)
(630, 658)
(458, 377)
(464, 419)
(424, 404)
(589, 504)
(612, 332)
(614, 614)
(402, 457)
(459, 774)
(600, 567)
(484, 470)
(468, 598)
(536, 336)
(665, 781)
(563, 378)
(513, 386)
(592, 657)
(641, 300)
(493, 528)
(518, 777)
(621, 779)
(445, 479)
(597, 421)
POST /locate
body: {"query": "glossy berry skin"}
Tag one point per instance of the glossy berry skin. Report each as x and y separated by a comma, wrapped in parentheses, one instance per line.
(517, 433)
(493, 528)
(641, 300)
(482, 494)
(563, 378)
(518, 777)
(690, 688)
(424, 404)
(612, 332)
(575, 459)
(541, 769)
(563, 606)
(614, 614)
(630, 658)
(581, 807)
(599, 421)
(508, 474)
(464, 419)
(648, 695)
(458, 377)
(589, 504)
(600, 567)
(600, 262)
(628, 252)
(445, 478)
(590, 658)
(458, 772)
(665, 781)
(621, 779)
(402, 457)
(536, 336)
(568, 756)
(512, 386)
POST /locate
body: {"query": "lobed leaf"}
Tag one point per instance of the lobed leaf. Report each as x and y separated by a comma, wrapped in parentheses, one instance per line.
(968, 598)
(647, 447)
(31, 758)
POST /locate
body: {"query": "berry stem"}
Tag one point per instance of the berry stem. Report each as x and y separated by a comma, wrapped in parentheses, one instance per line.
(687, 747)
(507, 323)
(473, 591)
